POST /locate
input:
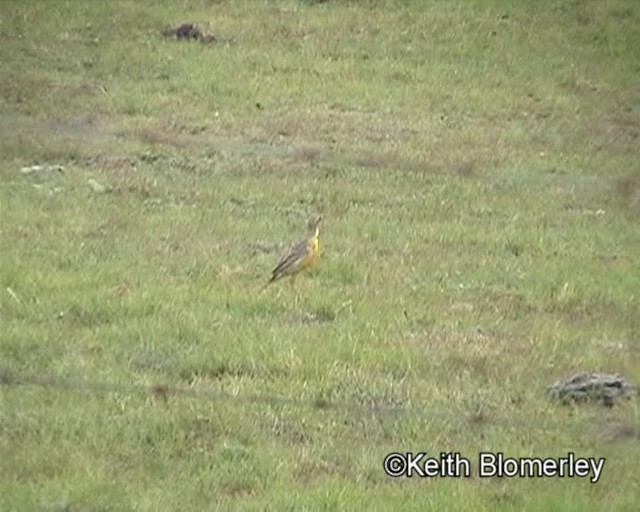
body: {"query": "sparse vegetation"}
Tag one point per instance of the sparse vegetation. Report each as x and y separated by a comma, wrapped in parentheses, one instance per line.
(477, 168)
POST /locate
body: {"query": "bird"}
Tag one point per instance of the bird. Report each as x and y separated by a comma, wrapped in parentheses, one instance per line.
(301, 256)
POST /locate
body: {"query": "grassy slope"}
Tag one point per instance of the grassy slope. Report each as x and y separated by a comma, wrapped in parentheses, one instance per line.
(477, 164)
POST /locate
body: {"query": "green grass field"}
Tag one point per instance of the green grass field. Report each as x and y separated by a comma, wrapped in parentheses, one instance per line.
(477, 164)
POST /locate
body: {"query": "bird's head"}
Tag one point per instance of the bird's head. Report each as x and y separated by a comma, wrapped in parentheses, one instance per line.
(314, 224)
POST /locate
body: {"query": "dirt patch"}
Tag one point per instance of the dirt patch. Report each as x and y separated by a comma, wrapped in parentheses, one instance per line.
(319, 316)
(310, 470)
(620, 432)
(627, 189)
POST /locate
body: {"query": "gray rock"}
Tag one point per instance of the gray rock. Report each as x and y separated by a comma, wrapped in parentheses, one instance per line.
(604, 388)
(97, 187)
(41, 169)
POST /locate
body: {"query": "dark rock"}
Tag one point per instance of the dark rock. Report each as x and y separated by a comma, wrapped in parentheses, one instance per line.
(604, 388)
(188, 31)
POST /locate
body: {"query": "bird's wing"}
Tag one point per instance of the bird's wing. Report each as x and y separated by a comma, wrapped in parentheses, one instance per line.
(290, 259)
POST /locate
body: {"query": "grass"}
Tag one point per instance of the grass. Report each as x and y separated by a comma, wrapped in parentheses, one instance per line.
(477, 167)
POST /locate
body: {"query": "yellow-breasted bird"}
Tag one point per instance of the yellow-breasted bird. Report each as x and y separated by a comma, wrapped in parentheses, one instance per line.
(301, 256)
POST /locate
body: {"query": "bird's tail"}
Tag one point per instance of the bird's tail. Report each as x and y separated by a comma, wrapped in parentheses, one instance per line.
(266, 285)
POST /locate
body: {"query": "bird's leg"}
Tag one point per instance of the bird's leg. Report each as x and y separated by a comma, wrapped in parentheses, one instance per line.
(292, 282)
